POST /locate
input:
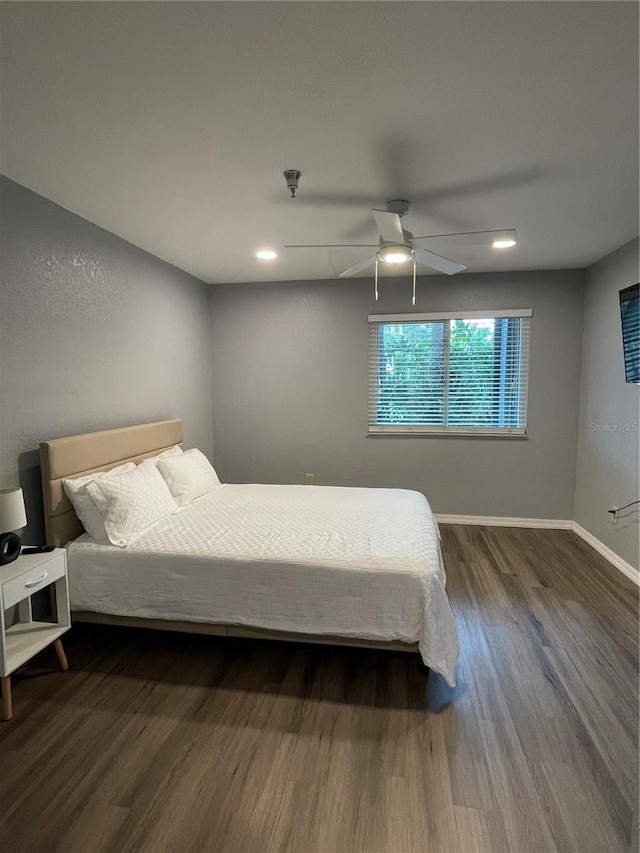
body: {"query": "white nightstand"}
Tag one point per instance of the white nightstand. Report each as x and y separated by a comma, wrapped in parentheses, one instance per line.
(21, 641)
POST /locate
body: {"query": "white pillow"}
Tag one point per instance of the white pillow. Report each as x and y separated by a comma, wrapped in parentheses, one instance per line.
(131, 502)
(83, 503)
(153, 460)
(189, 476)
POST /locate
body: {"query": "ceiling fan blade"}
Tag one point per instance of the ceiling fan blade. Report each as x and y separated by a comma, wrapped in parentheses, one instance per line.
(473, 238)
(389, 226)
(358, 267)
(437, 262)
(333, 246)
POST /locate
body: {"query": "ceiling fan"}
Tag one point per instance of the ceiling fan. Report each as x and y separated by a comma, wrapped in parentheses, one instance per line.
(396, 245)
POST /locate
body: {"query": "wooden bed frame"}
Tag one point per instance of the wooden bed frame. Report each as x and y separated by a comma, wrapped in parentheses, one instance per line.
(78, 455)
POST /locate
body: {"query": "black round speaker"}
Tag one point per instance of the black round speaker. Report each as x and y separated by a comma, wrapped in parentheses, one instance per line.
(9, 548)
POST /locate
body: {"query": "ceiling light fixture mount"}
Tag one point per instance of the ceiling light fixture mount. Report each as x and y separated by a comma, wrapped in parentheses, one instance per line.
(292, 176)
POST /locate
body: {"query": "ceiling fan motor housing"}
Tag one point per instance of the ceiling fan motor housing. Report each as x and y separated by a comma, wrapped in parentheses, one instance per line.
(399, 206)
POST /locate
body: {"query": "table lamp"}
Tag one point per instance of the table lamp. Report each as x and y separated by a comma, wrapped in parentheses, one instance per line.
(12, 517)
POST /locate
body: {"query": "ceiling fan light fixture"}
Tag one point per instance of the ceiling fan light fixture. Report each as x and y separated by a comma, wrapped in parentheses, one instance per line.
(504, 244)
(375, 278)
(266, 255)
(395, 254)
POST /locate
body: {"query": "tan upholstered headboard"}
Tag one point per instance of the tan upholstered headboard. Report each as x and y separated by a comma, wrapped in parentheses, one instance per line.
(94, 451)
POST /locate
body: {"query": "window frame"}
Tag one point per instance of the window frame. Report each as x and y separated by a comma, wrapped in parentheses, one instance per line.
(376, 429)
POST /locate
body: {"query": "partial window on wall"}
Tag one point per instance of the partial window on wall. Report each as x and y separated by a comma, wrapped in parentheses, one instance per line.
(462, 374)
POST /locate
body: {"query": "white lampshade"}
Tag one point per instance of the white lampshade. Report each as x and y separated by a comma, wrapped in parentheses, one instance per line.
(12, 512)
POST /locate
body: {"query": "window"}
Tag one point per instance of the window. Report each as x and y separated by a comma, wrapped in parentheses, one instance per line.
(462, 373)
(630, 312)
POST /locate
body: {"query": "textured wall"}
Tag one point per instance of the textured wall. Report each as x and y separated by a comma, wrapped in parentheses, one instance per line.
(608, 439)
(94, 333)
(290, 392)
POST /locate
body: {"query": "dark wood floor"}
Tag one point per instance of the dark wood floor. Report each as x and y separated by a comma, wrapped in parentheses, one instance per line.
(158, 742)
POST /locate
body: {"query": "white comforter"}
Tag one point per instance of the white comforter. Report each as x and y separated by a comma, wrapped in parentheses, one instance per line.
(312, 559)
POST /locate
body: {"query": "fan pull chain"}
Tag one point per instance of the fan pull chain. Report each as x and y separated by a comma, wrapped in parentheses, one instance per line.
(375, 281)
(413, 301)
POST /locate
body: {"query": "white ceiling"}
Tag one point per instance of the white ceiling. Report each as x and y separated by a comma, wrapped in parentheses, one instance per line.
(170, 124)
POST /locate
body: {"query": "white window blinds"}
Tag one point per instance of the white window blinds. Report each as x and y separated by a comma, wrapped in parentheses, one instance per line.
(463, 374)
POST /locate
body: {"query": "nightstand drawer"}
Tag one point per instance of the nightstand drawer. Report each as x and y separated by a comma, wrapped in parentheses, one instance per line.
(31, 581)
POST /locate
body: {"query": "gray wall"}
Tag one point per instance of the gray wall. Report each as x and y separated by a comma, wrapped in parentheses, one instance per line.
(290, 392)
(94, 333)
(607, 462)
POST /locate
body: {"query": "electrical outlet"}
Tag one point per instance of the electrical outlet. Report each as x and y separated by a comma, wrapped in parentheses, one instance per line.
(309, 479)
(614, 515)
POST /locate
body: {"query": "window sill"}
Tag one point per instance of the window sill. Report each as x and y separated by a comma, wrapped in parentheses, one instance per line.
(435, 432)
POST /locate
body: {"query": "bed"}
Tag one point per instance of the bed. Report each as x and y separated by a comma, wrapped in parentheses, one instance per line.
(349, 566)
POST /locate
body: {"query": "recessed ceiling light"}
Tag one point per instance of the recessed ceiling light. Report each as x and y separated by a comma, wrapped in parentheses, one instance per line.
(503, 244)
(266, 255)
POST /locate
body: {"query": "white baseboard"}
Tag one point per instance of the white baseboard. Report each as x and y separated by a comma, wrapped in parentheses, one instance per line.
(626, 568)
(548, 524)
(503, 521)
